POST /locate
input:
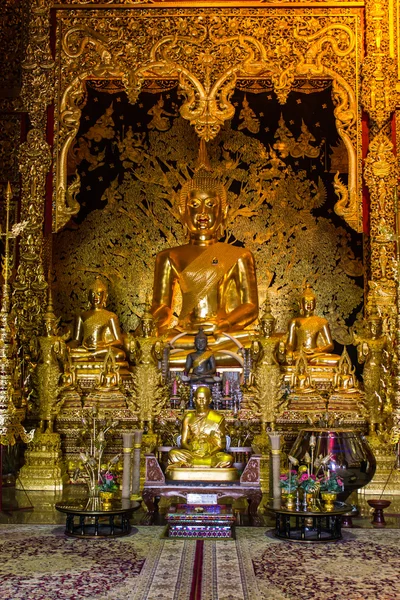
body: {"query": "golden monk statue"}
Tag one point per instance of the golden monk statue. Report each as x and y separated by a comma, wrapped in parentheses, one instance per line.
(96, 330)
(203, 439)
(217, 280)
(310, 334)
(200, 364)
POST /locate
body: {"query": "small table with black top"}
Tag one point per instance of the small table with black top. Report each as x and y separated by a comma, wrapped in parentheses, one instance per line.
(309, 526)
(94, 522)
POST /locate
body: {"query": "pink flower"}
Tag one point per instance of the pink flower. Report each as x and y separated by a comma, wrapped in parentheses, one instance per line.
(304, 477)
(283, 477)
(109, 476)
(340, 481)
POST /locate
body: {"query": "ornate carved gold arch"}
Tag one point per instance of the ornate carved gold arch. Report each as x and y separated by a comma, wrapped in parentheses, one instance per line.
(207, 53)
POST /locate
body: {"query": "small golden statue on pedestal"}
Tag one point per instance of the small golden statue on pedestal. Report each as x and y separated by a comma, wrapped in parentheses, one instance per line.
(217, 280)
(345, 381)
(43, 468)
(371, 351)
(109, 391)
(346, 395)
(51, 353)
(150, 393)
(96, 330)
(301, 381)
(304, 395)
(267, 374)
(202, 455)
(310, 334)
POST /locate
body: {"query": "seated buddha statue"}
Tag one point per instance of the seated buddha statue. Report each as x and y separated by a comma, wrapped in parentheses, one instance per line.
(109, 379)
(203, 438)
(345, 381)
(200, 365)
(310, 334)
(96, 331)
(301, 381)
(217, 280)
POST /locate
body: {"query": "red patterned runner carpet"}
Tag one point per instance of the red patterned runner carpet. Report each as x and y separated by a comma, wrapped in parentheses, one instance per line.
(39, 563)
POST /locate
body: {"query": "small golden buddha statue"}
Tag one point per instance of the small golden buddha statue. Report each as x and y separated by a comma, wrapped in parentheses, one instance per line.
(96, 330)
(217, 280)
(109, 377)
(200, 364)
(310, 334)
(301, 381)
(203, 440)
(344, 381)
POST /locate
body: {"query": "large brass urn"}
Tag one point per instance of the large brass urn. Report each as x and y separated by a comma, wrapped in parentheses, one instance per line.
(351, 457)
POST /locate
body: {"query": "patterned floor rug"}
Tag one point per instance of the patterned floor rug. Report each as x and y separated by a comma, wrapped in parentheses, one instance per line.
(39, 563)
(363, 566)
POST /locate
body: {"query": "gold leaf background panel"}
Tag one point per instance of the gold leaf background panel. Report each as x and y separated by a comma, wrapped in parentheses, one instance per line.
(278, 163)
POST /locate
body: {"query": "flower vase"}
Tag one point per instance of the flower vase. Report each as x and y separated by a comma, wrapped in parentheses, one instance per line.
(328, 499)
(106, 498)
(290, 501)
(310, 498)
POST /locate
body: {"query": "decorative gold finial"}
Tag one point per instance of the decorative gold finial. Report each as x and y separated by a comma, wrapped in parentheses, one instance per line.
(203, 162)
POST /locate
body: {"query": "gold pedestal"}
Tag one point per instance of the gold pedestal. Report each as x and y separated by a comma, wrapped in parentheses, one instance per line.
(202, 474)
(105, 399)
(43, 468)
(386, 480)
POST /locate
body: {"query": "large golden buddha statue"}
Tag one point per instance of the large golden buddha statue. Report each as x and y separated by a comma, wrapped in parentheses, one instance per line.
(96, 331)
(310, 334)
(217, 280)
(203, 444)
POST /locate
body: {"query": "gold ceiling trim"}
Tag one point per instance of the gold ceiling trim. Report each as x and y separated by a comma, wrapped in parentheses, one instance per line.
(206, 53)
(157, 4)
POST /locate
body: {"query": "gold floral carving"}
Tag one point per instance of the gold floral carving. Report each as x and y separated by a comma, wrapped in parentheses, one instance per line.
(38, 65)
(207, 53)
(380, 176)
(379, 71)
(30, 285)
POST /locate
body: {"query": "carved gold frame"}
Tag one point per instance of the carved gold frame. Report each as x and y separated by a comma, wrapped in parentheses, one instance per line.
(321, 44)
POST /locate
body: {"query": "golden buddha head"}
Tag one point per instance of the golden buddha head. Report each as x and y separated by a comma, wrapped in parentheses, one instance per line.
(203, 200)
(308, 300)
(98, 294)
(202, 398)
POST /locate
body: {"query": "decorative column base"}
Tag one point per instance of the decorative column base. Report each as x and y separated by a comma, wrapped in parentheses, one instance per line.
(43, 468)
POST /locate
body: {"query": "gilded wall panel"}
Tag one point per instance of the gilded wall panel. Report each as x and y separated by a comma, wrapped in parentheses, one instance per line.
(279, 163)
(208, 52)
